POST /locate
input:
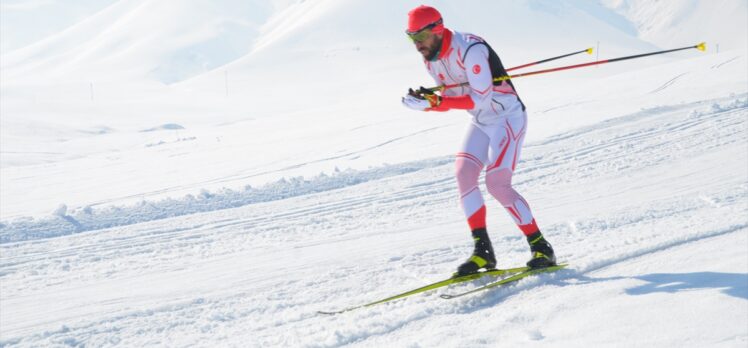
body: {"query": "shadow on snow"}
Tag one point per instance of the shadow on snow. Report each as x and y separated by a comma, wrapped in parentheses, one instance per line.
(733, 284)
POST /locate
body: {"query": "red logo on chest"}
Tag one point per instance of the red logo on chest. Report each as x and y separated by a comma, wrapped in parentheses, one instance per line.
(441, 76)
(476, 69)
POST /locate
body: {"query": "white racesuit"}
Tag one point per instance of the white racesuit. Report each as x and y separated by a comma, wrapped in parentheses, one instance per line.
(494, 137)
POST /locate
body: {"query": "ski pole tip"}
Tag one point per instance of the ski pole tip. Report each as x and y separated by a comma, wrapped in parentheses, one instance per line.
(701, 46)
(589, 50)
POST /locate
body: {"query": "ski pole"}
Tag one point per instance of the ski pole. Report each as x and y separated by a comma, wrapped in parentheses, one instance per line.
(589, 51)
(701, 47)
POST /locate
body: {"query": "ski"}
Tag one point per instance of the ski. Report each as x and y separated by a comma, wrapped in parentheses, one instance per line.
(509, 280)
(436, 285)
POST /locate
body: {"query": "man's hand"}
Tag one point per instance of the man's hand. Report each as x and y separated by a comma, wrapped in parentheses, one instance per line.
(421, 100)
(416, 103)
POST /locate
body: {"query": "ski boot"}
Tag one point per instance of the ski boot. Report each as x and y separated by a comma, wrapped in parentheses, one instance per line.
(542, 252)
(483, 256)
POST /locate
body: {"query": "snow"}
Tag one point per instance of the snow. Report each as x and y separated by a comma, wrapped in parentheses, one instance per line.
(720, 22)
(213, 173)
(46, 17)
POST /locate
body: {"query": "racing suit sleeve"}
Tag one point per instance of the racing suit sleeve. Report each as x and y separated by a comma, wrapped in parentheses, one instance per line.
(479, 78)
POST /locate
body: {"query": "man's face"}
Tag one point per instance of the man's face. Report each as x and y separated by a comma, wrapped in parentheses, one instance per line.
(429, 47)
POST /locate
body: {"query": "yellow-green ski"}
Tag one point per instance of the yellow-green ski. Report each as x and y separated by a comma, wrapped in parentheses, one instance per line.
(439, 284)
(516, 277)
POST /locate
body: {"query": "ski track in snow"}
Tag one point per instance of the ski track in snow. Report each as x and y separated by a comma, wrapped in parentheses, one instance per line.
(668, 83)
(717, 66)
(255, 266)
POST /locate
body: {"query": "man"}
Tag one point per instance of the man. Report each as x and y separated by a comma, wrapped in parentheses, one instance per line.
(494, 136)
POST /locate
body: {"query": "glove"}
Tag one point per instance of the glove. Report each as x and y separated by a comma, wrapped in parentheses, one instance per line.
(416, 103)
(423, 100)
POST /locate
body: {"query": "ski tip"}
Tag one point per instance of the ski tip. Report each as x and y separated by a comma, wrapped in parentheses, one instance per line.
(701, 46)
(329, 313)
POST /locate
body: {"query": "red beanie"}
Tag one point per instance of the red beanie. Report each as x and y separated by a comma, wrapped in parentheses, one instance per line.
(422, 16)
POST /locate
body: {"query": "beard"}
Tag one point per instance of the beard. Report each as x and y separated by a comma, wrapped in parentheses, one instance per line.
(429, 53)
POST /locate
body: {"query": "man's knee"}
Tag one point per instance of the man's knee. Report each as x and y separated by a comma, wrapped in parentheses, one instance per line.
(467, 171)
(499, 185)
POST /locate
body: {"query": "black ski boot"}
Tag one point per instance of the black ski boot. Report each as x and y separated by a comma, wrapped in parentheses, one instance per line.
(483, 256)
(542, 252)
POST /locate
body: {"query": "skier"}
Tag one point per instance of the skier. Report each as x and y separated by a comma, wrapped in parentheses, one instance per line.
(494, 135)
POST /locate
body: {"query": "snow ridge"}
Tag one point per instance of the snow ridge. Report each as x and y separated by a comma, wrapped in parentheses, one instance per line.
(88, 218)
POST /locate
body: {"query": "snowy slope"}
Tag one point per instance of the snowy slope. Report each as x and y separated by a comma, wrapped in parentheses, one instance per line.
(721, 22)
(70, 125)
(24, 22)
(205, 205)
(165, 41)
(169, 41)
(633, 204)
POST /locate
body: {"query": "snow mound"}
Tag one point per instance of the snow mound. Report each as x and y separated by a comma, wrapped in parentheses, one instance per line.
(65, 221)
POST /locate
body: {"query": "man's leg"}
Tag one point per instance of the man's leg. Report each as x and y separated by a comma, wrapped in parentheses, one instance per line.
(506, 148)
(468, 166)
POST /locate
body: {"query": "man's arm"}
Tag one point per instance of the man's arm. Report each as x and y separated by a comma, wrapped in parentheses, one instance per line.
(480, 81)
